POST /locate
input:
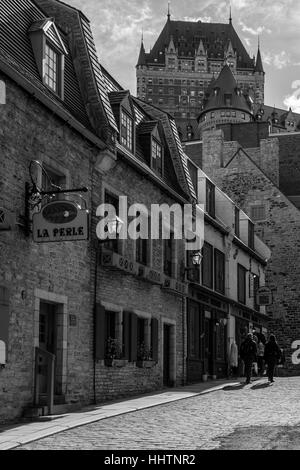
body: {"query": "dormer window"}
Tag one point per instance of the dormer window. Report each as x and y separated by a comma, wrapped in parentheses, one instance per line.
(49, 51)
(51, 68)
(228, 99)
(126, 130)
(156, 156)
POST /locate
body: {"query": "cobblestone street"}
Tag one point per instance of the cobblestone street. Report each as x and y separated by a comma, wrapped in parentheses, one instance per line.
(256, 416)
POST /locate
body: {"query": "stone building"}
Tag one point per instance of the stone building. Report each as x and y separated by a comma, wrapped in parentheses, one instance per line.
(185, 60)
(222, 306)
(78, 316)
(260, 172)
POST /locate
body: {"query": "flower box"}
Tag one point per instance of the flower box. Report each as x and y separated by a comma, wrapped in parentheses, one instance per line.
(145, 364)
(110, 362)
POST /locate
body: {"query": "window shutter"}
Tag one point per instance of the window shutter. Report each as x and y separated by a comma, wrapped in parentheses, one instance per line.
(127, 334)
(154, 339)
(100, 331)
(133, 342)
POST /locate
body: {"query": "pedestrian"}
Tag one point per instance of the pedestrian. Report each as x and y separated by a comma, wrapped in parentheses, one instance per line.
(260, 357)
(233, 359)
(255, 363)
(248, 353)
(272, 356)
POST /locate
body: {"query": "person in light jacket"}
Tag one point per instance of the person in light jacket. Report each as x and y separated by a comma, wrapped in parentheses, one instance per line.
(233, 359)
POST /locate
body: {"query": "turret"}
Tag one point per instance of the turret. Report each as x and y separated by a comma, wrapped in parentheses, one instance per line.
(142, 56)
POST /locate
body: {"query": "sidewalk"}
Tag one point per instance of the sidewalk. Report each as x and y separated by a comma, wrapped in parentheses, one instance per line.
(14, 435)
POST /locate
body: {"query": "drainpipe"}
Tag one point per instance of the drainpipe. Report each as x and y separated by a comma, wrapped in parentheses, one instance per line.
(94, 320)
(183, 339)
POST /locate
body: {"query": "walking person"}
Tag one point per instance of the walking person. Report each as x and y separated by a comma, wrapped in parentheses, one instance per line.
(248, 353)
(272, 356)
(260, 357)
(233, 359)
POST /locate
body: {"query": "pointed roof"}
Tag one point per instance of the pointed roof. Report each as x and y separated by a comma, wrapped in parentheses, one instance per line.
(201, 49)
(258, 63)
(187, 36)
(223, 85)
(142, 56)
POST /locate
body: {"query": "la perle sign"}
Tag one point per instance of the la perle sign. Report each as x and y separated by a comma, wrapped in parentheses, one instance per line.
(60, 221)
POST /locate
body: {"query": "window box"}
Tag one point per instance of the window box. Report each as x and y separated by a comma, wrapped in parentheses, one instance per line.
(110, 362)
(146, 364)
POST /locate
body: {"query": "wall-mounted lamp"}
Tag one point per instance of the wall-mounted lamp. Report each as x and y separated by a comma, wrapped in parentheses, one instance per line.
(196, 260)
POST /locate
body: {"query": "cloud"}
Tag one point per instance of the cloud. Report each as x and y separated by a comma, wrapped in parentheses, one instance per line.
(204, 19)
(293, 100)
(259, 30)
(279, 61)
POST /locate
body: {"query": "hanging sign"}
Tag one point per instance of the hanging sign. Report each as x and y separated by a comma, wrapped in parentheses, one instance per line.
(60, 221)
(264, 296)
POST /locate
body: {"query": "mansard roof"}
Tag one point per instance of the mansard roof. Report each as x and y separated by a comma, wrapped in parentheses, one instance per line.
(16, 19)
(224, 85)
(18, 22)
(268, 114)
(187, 36)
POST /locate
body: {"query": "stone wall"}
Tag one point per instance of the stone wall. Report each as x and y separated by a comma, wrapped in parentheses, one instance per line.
(65, 272)
(246, 184)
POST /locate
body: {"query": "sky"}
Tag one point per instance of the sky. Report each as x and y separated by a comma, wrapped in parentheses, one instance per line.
(118, 25)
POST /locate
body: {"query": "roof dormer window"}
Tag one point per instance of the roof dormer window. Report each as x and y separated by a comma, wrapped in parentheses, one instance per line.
(126, 130)
(156, 156)
(49, 51)
(51, 68)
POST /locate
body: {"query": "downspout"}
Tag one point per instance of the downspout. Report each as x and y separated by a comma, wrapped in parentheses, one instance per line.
(94, 321)
(183, 339)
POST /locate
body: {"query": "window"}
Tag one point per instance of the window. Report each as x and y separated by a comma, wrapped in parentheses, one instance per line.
(237, 221)
(258, 212)
(210, 198)
(207, 265)
(256, 287)
(142, 251)
(228, 99)
(251, 235)
(219, 272)
(241, 283)
(168, 255)
(51, 68)
(243, 116)
(110, 323)
(193, 272)
(156, 157)
(126, 130)
(141, 335)
(212, 114)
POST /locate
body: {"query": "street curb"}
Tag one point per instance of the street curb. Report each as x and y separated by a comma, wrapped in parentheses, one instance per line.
(15, 441)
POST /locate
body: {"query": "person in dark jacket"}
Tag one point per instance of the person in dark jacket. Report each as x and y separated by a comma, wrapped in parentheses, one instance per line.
(248, 353)
(272, 356)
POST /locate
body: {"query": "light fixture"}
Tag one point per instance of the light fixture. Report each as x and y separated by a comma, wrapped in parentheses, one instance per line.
(197, 257)
(114, 226)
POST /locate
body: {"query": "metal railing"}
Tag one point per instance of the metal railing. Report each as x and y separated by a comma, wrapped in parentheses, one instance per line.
(50, 364)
